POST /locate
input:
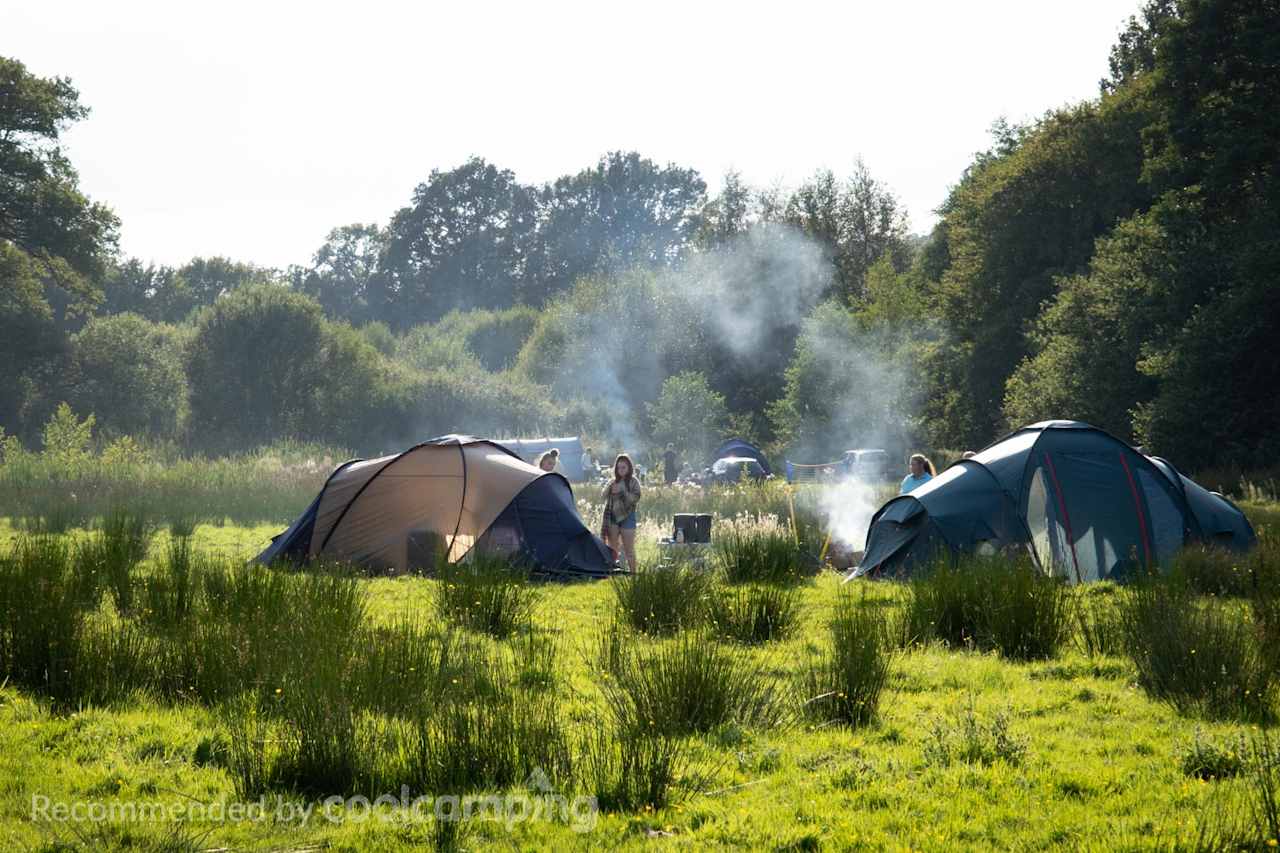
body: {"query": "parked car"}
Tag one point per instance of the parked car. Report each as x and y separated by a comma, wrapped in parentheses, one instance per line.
(870, 463)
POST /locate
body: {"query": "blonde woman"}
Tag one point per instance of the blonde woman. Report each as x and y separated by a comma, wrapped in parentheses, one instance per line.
(621, 497)
(921, 472)
(548, 461)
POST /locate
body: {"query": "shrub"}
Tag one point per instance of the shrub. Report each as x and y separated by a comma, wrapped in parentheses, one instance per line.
(662, 601)
(131, 374)
(759, 556)
(1200, 655)
(845, 684)
(496, 337)
(753, 614)
(487, 593)
(969, 740)
(691, 684)
(254, 365)
(1001, 604)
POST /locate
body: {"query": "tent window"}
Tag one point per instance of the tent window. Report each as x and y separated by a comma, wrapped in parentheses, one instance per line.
(1048, 537)
(1167, 525)
(1105, 511)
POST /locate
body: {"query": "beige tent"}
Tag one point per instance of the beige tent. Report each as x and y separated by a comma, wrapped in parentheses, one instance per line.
(448, 495)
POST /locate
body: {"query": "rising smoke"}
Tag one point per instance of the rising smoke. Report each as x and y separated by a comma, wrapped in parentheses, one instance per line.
(847, 507)
(743, 301)
(756, 304)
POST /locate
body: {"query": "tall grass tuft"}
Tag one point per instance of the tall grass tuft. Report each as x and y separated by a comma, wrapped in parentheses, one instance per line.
(845, 684)
(487, 593)
(494, 743)
(322, 742)
(691, 684)
(753, 614)
(662, 601)
(535, 658)
(1198, 654)
(252, 747)
(1254, 823)
(1099, 631)
(401, 667)
(170, 592)
(115, 661)
(628, 771)
(115, 550)
(991, 603)
(760, 556)
(42, 619)
(1214, 571)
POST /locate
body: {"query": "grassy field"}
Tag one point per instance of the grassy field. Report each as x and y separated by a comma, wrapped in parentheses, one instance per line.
(968, 746)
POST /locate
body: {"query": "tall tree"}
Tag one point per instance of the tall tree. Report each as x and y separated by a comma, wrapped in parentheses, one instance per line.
(54, 242)
(343, 276)
(729, 214)
(1214, 148)
(42, 211)
(1024, 215)
(626, 211)
(858, 220)
(464, 243)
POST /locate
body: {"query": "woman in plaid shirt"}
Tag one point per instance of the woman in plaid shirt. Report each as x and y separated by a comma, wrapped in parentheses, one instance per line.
(621, 497)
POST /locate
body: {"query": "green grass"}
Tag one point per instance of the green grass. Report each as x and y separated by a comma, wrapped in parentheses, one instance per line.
(967, 749)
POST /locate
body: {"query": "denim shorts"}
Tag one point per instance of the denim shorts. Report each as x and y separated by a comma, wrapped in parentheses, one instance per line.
(628, 523)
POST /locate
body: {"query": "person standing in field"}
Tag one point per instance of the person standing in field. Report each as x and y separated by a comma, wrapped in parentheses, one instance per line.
(548, 461)
(921, 472)
(588, 466)
(670, 465)
(621, 497)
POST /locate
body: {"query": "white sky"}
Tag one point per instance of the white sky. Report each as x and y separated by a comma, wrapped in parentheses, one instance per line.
(251, 129)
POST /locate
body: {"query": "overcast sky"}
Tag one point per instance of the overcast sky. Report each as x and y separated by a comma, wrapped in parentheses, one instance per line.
(251, 129)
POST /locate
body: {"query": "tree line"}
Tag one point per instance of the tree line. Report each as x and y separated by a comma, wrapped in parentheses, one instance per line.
(1113, 261)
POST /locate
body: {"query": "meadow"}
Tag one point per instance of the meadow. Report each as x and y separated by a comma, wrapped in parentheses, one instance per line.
(153, 679)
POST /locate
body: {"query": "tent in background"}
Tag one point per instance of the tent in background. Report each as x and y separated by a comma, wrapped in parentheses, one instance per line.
(742, 448)
(529, 449)
(446, 496)
(1084, 503)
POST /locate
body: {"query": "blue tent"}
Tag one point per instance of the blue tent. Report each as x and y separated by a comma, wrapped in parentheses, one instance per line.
(446, 497)
(1085, 504)
(741, 447)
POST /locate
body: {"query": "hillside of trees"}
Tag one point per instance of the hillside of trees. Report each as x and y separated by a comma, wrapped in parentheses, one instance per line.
(1115, 261)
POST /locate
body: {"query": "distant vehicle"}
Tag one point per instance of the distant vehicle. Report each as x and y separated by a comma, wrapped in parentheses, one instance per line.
(730, 469)
(868, 464)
